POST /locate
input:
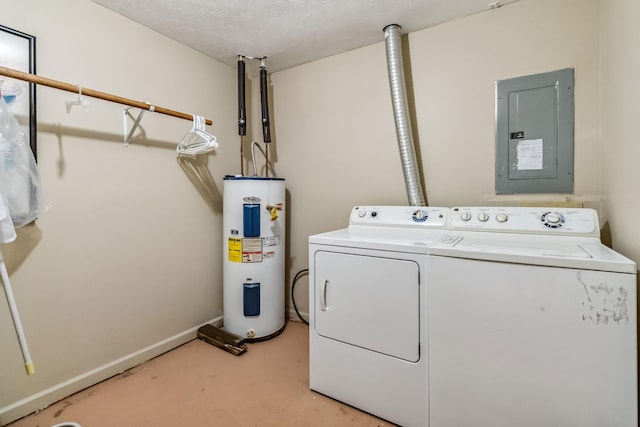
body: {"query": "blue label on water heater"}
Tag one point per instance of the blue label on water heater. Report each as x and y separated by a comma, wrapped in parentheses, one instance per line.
(251, 299)
(251, 220)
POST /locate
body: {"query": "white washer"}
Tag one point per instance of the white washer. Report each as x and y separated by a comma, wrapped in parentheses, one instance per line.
(532, 322)
(368, 317)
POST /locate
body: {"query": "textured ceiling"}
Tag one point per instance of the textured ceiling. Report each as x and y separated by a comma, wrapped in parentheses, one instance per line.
(289, 32)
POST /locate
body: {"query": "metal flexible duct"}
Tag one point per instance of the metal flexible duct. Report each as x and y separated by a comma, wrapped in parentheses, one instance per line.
(393, 44)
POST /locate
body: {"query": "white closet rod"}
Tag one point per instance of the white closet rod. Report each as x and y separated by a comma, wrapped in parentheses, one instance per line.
(33, 78)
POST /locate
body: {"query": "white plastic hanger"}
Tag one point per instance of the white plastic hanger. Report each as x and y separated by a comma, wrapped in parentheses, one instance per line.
(79, 101)
(197, 140)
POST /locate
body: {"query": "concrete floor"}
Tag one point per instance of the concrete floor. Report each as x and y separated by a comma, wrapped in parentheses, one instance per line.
(200, 385)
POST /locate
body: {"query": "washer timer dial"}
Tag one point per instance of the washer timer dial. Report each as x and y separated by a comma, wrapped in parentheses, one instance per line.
(552, 219)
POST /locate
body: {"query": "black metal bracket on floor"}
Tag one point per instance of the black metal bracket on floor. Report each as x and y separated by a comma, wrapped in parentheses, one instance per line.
(222, 339)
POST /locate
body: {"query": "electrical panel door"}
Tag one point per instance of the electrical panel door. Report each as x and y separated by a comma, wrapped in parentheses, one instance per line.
(534, 134)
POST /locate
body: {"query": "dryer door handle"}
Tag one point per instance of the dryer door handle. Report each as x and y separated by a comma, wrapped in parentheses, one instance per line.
(323, 294)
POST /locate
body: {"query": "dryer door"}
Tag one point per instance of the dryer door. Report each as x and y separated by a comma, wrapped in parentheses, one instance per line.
(368, 301)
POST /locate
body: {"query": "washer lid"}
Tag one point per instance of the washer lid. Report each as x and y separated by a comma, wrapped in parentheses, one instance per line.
(569, 252)
(522, 247)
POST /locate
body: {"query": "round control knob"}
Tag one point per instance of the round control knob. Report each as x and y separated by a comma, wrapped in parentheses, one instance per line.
(553, 218)
(483, 216)
(502, 217)
(362, 213)
(420, 216)
(465, 216)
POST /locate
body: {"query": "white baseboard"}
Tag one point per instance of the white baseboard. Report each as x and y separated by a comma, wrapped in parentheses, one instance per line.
(292, 315)
(73, 385)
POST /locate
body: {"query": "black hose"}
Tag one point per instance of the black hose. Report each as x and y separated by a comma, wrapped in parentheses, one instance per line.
(242, 109)
(266, 130)
(298, 275)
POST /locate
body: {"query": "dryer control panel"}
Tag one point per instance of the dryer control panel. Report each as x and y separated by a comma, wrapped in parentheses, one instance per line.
(536, 220)
(399, 216)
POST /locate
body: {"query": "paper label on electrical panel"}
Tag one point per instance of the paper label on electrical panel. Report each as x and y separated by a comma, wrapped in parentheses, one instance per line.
(235, 249)
(529, 153)
(252, 250)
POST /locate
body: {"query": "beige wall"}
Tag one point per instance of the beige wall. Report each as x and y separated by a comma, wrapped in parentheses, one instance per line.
(129, 253)
(620, 92)
(335, 130)
(454, 68)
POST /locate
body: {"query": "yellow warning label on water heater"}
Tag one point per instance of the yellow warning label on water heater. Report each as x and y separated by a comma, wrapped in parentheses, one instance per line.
(235, 249)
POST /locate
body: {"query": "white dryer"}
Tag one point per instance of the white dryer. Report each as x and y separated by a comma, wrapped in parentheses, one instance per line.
(368, 317)
(532, 322)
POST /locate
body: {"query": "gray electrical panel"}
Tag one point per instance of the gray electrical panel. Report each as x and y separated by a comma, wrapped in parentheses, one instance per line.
(534, 133)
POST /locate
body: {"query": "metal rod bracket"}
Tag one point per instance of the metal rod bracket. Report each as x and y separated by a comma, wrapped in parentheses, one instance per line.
(128, 133)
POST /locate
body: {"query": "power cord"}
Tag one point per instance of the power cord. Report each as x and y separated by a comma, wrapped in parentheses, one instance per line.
(298, 275)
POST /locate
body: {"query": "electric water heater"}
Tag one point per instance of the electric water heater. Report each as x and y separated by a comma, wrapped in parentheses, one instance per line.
(254, 243)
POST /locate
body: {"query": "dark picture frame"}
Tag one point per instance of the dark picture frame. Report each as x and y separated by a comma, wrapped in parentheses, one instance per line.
(18, 52)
